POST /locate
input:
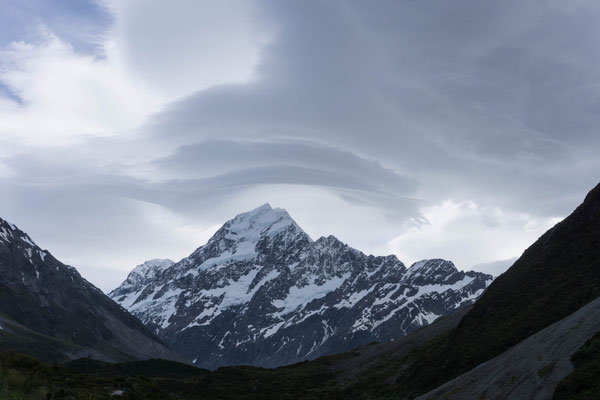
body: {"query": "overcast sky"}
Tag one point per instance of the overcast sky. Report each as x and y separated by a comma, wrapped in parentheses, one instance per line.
(132, 130)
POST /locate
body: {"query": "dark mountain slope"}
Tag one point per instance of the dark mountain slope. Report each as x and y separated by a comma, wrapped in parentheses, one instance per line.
(380, 356)
(48, 297)
(19, 338)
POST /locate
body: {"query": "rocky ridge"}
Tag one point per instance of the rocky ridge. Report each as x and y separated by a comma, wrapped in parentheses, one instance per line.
(262, 292)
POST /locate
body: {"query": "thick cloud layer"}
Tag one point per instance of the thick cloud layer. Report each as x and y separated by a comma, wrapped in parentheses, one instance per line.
(456, 129)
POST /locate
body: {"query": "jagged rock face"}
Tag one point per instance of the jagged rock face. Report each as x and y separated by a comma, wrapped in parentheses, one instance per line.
(143, 275)
(46, 296)
(262, 292)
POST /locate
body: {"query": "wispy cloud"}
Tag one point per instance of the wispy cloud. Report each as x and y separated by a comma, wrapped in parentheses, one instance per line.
(372, 121)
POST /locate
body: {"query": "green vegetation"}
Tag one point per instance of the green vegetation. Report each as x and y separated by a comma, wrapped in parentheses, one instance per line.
(546, 369)
(301, 381)
(23, 377)
(147, 368)
(584, 382)
(390, 378)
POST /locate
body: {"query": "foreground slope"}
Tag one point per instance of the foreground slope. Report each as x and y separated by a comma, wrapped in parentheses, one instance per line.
(18, 338)
(40, 295)
(262, 292)
(531, 369)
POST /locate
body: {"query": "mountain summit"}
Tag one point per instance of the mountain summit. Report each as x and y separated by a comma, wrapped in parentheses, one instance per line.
(245, 235)
(264, 220)
(262, 292)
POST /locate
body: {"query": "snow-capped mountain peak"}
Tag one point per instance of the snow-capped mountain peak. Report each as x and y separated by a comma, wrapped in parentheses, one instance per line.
(150, 266)
(10, 233)
(248, 235)
(148, 270)
(262, 292)
(435, 266)
(434, 271)
(264, 220)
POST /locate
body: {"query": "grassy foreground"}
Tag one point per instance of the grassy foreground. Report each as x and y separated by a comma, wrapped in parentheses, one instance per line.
(23, 377)
(584, 382)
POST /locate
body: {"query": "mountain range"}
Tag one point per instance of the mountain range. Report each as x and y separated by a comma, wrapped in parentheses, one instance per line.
(534, 333)
(262, 292)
